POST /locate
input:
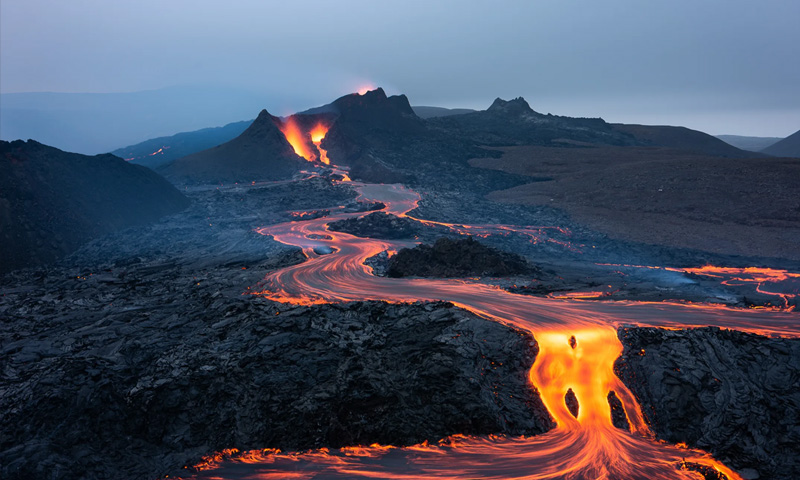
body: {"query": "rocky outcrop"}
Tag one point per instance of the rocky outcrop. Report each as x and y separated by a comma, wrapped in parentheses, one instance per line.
(456, 258)
(379, 225)
(53, 201)
(734, 394)
(140, 370)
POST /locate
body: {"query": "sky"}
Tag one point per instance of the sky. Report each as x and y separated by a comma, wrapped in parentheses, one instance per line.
(721, 66)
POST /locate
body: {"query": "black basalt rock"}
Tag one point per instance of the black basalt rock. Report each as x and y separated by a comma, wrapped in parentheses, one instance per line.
(734, 394)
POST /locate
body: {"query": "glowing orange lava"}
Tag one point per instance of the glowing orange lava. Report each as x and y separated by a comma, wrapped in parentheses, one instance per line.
(768, 281)
(302, 141)
(297, 139)
(585, 446)
(317, 135)
(365, 88)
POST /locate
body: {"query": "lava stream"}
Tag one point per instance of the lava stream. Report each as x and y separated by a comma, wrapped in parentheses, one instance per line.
(302, 141)
(587, 445)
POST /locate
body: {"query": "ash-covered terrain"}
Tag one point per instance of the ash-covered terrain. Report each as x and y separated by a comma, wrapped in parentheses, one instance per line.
(139, 346)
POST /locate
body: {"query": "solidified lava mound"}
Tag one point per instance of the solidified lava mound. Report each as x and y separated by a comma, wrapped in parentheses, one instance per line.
(378, 225)
(456, 258)
(732, 393)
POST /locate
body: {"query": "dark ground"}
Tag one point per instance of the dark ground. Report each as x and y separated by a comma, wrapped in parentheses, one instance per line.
(656, 196)
(114, 359)
(734, 394)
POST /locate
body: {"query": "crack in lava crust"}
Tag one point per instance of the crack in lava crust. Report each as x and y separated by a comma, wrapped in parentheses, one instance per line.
(583, 446)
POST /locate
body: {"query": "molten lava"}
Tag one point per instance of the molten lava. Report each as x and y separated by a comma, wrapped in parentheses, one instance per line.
(297, 139)
(578, 346)
(317, 135)
(302, 141)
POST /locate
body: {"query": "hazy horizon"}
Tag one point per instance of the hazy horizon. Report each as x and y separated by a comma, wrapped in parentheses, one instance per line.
(719, 67)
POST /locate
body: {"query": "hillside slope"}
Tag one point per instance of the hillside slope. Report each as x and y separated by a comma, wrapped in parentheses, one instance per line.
(52, 201)
(788, 147)
(160, 151)
(260, 153)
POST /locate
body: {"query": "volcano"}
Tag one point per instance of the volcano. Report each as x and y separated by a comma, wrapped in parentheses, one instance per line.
(261, 152)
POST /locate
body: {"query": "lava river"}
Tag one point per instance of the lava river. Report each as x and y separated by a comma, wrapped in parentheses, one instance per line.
(586, 446)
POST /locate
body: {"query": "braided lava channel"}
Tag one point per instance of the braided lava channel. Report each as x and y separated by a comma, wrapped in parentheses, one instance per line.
(582, 446)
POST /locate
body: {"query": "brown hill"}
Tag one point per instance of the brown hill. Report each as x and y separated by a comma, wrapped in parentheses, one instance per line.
(788, 147)
(681, 138)
(52, 201)
(260, 153)
(745, 206)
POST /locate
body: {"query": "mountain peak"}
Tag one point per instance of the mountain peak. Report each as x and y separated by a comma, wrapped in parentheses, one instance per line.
(374, 107)
(264, 125)
(515, 106)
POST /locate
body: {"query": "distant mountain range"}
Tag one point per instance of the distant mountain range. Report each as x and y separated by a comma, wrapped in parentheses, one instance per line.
(751, 144)
(503, 123)
(163, 150)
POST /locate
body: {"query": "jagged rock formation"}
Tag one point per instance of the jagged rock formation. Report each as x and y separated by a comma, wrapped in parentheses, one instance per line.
(368, 122)
(172, 372)
(456, 258)
(788, 147)
(734, 394)
(514, 122)
(53, 201)
(260, 153)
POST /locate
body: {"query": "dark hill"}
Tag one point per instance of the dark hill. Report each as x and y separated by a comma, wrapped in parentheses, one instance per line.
(367, 123)
(788, 147)
(52, 201)
(260, 153)
(160, 151)
(456, 258)
(374, 111)
(681, 138)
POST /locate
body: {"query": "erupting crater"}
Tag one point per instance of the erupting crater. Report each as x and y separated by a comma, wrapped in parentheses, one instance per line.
(306, 143)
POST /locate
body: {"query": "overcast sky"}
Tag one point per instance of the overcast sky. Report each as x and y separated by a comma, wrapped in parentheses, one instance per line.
(722, 66)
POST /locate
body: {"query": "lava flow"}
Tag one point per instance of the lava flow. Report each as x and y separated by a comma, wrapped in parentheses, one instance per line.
(317, 135)
(577, 349)
(302, 141)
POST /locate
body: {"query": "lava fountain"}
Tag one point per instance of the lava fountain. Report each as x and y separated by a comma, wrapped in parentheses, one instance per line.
(297, 139)
(302, 141)
(317, 135)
